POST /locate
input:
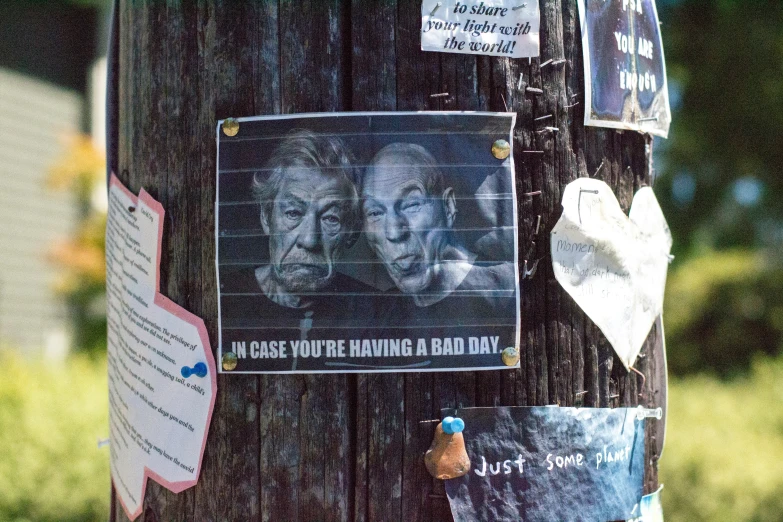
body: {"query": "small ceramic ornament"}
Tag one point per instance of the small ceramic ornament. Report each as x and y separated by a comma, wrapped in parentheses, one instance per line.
(447, 458)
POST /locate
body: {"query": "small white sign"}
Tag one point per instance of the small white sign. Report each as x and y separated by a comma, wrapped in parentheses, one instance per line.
(491, 27)
(614, 266)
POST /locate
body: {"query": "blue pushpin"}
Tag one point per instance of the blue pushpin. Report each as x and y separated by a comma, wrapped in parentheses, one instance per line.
(199, 370)
(452, 425)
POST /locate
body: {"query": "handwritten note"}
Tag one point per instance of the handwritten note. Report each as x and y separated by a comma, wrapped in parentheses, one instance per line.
(625, 70)
(490, 27)
(158, 419)
(549, 463)
(614, 266)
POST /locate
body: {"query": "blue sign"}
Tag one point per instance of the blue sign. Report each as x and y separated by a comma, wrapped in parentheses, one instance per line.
(549, 463)
(625, 71)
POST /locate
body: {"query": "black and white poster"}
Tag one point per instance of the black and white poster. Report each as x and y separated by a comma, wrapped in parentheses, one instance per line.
(625, 70)
(367, 242)
(549, 464)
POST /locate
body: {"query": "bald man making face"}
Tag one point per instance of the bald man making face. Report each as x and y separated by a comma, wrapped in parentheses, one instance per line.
(409, 215)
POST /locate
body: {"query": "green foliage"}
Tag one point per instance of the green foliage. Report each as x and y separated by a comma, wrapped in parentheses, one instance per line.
(721, 308)
(80, 258)
(726, 94)
(51, 417)
(724, 448)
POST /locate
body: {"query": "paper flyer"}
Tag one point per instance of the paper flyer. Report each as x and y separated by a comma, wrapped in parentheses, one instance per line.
(367, 242)
(158, 417)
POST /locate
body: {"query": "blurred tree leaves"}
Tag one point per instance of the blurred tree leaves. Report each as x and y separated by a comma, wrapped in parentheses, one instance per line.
(721, 309)
(720, 173)
(723, 163)
(81, 257)
(51, 417)
(723, 447)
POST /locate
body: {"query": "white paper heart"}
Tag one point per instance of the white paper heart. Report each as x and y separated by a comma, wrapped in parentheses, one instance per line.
(614, 266)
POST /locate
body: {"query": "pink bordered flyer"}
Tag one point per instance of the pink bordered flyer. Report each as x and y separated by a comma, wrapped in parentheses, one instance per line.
(162, 374)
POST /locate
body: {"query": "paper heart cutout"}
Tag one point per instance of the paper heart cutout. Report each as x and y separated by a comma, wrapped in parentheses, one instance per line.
(614, 266)
(158, 418)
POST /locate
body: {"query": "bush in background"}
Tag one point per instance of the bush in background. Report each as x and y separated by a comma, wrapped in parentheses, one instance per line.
(51, 417)
(723, 459)
(722, 309)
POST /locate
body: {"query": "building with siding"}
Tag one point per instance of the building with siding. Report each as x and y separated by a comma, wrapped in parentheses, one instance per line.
(35, 119)
(46, 49)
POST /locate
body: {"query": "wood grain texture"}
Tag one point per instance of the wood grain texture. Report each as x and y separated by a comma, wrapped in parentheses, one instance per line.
(350, 447)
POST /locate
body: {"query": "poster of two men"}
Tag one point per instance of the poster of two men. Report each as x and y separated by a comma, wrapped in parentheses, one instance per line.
(367, 242)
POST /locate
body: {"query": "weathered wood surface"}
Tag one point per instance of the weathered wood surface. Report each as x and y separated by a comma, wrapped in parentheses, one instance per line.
(350, 447)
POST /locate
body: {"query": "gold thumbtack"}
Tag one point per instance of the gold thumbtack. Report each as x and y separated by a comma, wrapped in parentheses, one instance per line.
(229, 361)
(501, 149)
(510, 356)
(230, 127)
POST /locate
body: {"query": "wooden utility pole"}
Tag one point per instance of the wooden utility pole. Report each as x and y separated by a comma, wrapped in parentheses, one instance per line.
(350, 447)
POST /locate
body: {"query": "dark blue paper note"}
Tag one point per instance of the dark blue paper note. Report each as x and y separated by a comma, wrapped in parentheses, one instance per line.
(549, 464)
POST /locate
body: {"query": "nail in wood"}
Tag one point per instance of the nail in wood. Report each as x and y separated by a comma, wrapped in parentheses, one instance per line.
(598, 169)
(530, 273)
